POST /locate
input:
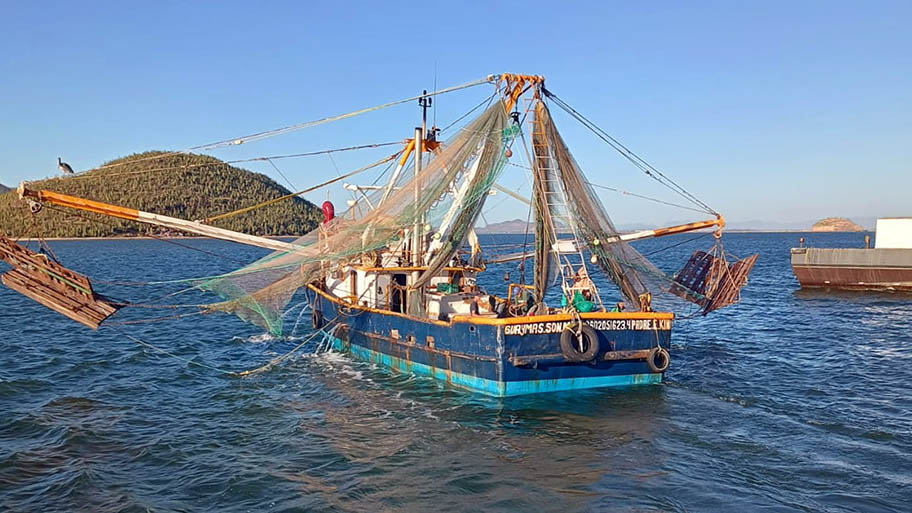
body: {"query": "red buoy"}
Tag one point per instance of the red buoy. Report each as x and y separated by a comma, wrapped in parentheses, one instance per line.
(329, 211)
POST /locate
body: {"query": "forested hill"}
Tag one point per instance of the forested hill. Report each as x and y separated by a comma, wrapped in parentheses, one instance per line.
(186, 186)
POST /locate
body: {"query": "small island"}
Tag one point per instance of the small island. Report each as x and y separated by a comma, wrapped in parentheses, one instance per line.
(836, 224)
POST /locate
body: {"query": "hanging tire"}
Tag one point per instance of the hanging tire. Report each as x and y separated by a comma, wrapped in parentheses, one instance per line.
(316, 318)
(658, 359)
(570, 344)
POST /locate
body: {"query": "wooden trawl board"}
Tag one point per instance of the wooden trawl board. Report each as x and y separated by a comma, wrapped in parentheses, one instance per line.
(710, 276)
(52, 285)
(729, 289)
(692, 278)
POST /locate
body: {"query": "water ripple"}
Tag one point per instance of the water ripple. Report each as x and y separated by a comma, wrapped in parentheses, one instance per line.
(791, 401)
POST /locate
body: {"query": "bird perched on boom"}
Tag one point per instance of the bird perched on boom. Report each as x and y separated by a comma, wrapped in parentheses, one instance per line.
(64, 167)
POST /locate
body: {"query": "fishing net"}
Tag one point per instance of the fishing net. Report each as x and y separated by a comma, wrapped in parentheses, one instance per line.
(441, 203)
(566, 197)
(439, 206)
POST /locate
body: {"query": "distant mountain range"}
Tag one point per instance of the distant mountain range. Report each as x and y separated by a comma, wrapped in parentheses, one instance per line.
(519, 225)
(803, 225)
(514, 226)
(4, 188)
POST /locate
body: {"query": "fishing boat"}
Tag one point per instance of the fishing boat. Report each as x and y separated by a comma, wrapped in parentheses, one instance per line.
(394, 279)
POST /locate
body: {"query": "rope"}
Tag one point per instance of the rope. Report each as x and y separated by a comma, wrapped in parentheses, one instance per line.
(153, 319)
(620, 191)
(522, 262)
(279, 359)
(677, 244)
(309, 189)
(84, 174)
(163, 351)
(628, 193)
(67, 281)
(279, 171)
(291, 128)
(249, 372)
(473, 109)
(629, 155)
(154, 306)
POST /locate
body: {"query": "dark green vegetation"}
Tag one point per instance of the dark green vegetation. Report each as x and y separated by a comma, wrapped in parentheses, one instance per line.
(185, 186)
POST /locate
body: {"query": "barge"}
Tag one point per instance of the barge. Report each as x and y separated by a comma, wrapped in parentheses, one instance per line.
(885, 267)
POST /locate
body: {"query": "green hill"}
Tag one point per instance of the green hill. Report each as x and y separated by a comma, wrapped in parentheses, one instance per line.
(187, 186)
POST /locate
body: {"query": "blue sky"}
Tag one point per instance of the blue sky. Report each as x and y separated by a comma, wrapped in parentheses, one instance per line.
(772, 111)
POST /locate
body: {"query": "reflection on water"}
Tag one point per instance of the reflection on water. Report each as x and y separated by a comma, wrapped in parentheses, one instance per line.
(789, 401)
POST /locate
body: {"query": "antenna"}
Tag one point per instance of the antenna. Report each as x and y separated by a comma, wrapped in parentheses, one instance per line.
(424, 102)
(434, 124)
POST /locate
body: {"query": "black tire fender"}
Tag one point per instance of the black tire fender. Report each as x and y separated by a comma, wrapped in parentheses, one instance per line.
(658, 359)
(570, 344)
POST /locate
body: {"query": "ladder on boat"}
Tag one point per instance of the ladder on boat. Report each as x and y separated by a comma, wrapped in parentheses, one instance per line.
(568, 252)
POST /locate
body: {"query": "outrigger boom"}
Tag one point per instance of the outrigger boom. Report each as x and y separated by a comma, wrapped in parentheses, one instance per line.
(97, 207)
(132, 214)
(718, 222)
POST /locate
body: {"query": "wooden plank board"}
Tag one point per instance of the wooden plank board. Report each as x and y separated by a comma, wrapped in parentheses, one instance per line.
(52, 285)
(711, 277)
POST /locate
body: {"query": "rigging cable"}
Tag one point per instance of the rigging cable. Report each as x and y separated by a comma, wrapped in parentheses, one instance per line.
(163, 351)
(279, 359)
(154, 319)
(86, 174)
(188, 361)
(628, 154)
(677, 244)
(305, 191)
(486, 101)
(234, 141)
(628, 193)
(279, 171)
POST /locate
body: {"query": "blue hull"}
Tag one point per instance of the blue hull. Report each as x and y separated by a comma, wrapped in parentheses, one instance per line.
(499, 357)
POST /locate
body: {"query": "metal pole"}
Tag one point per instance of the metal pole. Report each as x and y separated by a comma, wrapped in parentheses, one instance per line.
(416, 297)
(416, 229)
(418, 240)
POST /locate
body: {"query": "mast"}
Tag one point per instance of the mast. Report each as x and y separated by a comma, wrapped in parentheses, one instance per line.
(417, 240)
(416, 237)
(416, 300)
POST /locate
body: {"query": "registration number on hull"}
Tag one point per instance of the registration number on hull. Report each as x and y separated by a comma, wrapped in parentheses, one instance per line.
(545, 328)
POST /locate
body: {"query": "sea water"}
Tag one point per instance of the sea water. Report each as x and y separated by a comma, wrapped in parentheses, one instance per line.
(788, 401)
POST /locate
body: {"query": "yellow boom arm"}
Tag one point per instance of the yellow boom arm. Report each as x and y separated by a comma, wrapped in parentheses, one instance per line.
(97, 207)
